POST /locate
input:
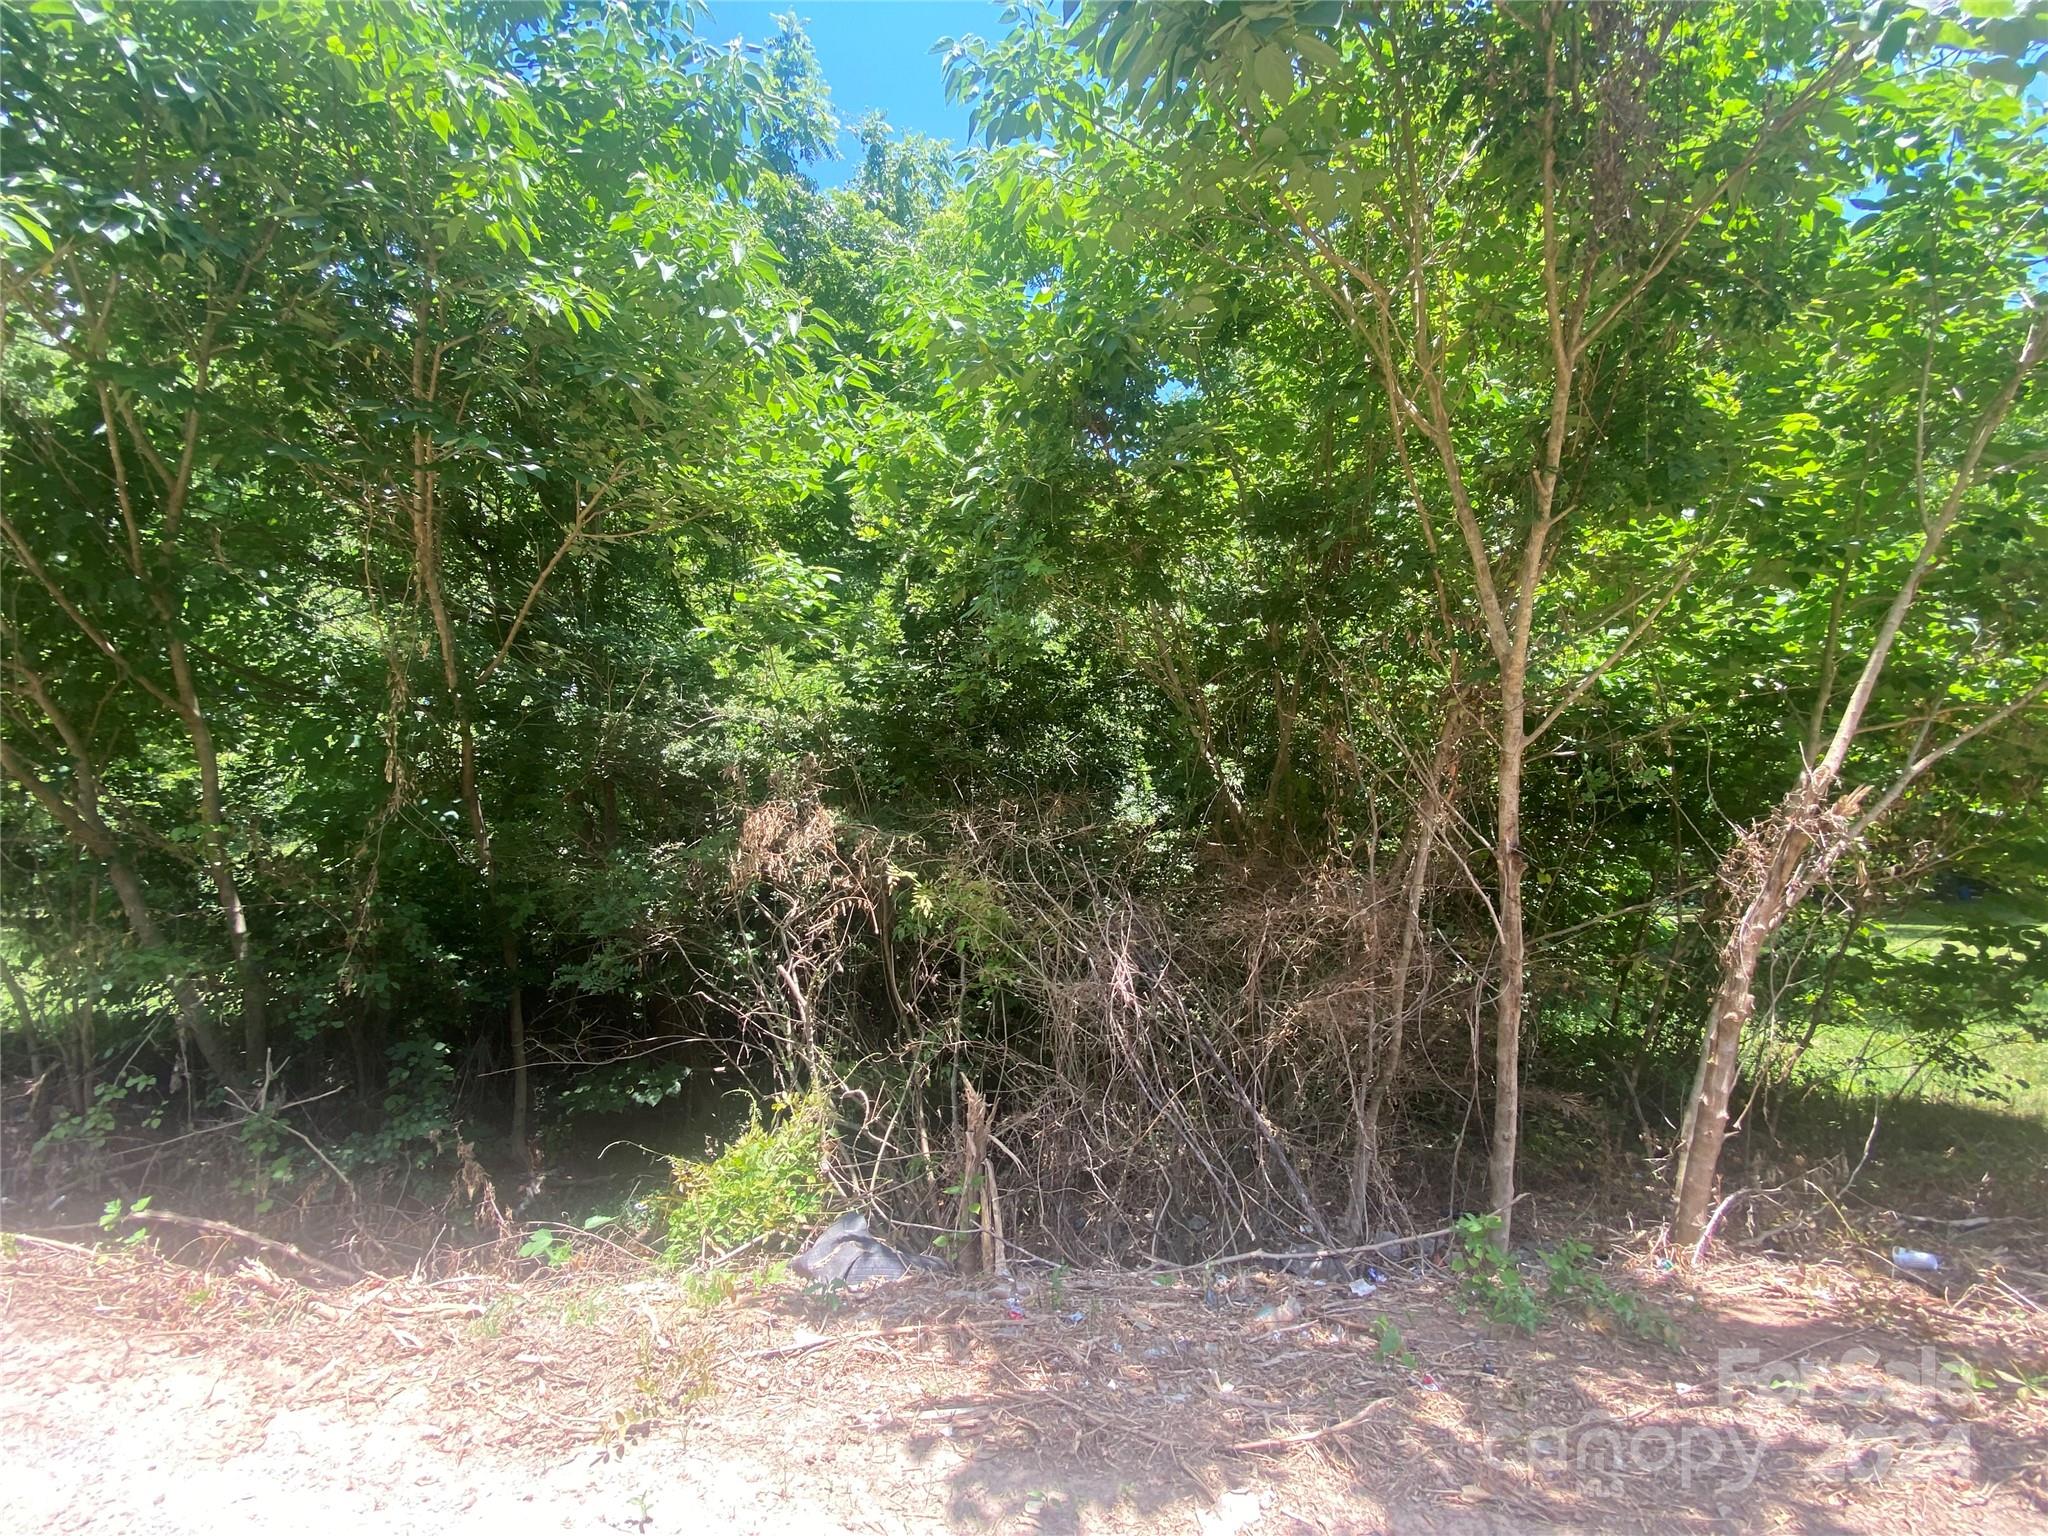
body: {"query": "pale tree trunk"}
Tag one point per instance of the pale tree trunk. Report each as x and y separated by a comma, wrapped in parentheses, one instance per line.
(426, 533)
(1513, 961)
(220, 865)
(422, 506)
(182, 700)
(1511, 644)
(1774, 866)
(1770, 886)
(426, 557)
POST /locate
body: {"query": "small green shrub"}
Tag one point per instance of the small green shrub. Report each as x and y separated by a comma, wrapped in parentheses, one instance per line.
(709, 1288)
(1568, 1279)
(1389, 1344)
(1489, 1279)
(90, 1130)
(2025, 1385)
(769, 1178)
(118, 1212)
(547, 1245)
(419, 1107)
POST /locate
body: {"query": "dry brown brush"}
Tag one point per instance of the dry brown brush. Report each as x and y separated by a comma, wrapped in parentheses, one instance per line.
(1170, 1073)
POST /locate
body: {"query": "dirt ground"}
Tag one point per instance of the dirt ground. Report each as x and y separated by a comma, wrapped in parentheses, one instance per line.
(142, 1395)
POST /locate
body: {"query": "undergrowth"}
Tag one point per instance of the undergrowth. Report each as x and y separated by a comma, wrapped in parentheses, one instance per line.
(1490, 1280)
(769, 1178)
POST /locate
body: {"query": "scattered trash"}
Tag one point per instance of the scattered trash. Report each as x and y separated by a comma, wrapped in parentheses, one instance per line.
(1320, 1267)
(847, 1252)
(1237, 1510)
(1427, 1382)
(1667, 1264)
(1914, 1258)
(1073, 1318)
(1373, 1273)
(1285, 1315)
(1363, 1287)
(1013, 1309)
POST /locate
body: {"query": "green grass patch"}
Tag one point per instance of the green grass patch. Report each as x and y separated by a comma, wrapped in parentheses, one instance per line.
(1944, 1009)
(1924, 927)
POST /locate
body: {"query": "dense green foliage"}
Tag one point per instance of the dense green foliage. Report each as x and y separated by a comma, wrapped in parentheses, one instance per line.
(514, 594)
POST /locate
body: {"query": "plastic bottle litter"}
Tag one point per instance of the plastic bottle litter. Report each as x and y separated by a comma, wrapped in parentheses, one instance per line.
(1914, 1258)
(1268, 1319)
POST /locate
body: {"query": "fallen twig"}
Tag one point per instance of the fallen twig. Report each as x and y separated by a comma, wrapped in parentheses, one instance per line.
(1699, 1249)
(256, 1239)
(1282, 1442)
(51, 1242)
(1309, 1253)
(806, 1345)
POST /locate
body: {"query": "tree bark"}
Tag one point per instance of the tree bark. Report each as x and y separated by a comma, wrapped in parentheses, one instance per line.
(1507, 1056)
(1769, 901)
(220, 866)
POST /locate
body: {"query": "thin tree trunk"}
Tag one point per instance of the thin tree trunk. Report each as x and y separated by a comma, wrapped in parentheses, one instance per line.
(1508, 618)
(35, 1032)
(427, 560)
(93, 834)
(426, 541)
(1507, 1058)
(1776, 884)
(1706, 1118)
(220, 866)
(1194, 709)
(522, 1098)
(31, 1021)
(192, 1015)
(176, 481)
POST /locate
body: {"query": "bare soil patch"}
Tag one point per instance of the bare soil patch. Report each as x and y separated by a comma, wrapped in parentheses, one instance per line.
(140, 1395)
